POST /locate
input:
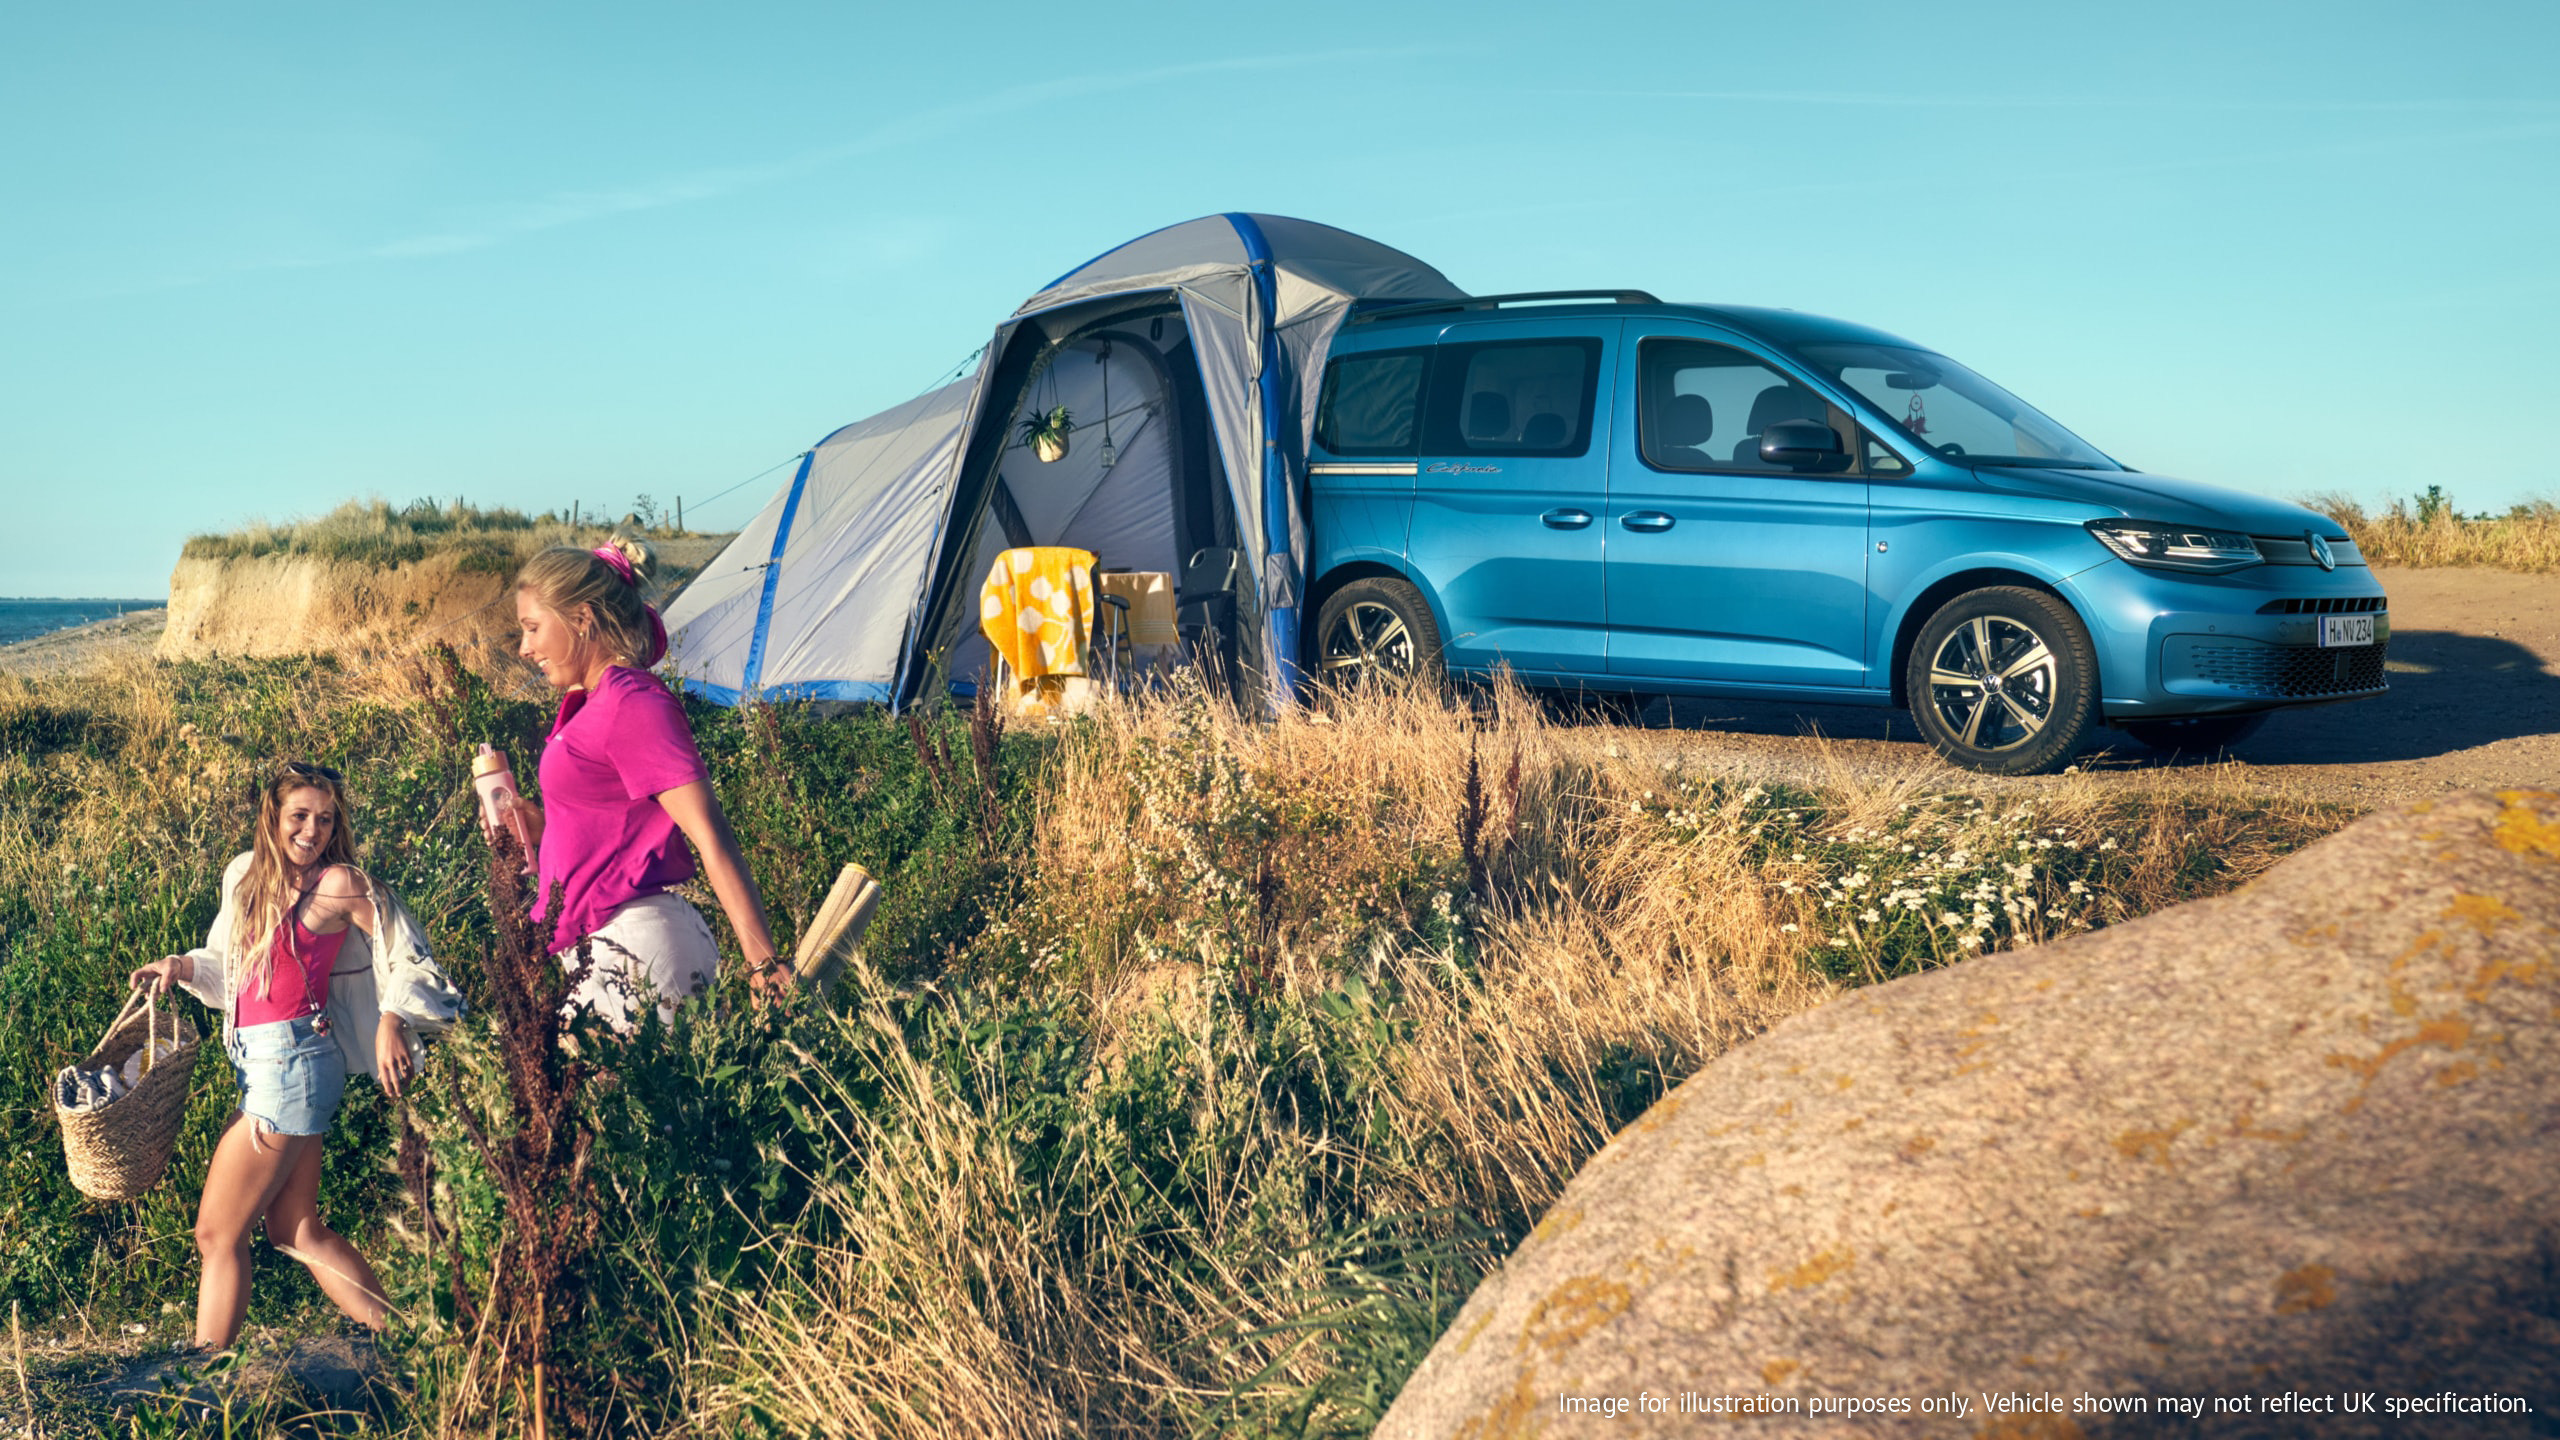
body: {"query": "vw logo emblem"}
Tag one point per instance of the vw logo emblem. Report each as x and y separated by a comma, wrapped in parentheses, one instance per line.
(2320, 550)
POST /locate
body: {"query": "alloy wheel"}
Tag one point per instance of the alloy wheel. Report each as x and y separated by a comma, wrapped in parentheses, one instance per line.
(1367, 639)
(1993, 683)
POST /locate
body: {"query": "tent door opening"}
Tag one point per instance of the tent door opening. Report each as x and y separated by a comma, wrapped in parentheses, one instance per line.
(1141, 484)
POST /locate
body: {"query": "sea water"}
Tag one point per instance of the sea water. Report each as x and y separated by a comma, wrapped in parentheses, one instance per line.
(27, 619)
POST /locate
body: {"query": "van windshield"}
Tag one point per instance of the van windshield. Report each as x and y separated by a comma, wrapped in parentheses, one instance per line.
(1952, 412)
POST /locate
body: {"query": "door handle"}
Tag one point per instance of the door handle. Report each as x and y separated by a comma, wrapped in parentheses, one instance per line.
(1645, 520)
(1565, 519)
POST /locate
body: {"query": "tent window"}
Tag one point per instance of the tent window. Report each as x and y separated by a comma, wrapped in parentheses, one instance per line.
(1513, 397)
(1370, 402)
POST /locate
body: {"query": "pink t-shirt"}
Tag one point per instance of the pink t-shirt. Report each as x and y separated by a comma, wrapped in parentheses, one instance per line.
(606, 841)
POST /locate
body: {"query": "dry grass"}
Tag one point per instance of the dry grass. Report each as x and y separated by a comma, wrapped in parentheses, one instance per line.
(375, 532)
(2431, 531)
(1233, 904)
(1286, 1033)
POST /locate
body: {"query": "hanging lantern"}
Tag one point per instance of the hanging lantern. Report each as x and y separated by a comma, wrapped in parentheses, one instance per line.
(1110, 453)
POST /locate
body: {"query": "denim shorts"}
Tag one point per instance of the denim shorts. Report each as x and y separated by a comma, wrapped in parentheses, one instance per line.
(292, 1075)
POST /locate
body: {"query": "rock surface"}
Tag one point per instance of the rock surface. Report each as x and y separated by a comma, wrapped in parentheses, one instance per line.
(2301, 1139)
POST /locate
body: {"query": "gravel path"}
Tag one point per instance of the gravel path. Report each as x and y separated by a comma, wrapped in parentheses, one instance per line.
(2474, 701)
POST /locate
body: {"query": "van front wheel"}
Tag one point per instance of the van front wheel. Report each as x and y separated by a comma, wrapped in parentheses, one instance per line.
(2004, 680)
(1374, 629)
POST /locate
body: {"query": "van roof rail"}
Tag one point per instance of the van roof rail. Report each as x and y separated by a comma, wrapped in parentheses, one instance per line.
(1391, 309)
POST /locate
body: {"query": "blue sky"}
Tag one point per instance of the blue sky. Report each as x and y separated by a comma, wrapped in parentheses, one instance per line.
(257, 259)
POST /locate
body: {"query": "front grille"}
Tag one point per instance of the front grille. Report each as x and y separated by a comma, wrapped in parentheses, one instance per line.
(2290, 672)
(2327, 605)
(2295, 550)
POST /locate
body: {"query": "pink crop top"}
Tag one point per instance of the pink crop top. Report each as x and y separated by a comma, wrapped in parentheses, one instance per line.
(299, 983)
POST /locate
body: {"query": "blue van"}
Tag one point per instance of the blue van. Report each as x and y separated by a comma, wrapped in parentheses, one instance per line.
(1621, 498)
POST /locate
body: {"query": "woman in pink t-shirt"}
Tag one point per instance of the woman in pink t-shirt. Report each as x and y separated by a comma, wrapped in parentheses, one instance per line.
(623, 789)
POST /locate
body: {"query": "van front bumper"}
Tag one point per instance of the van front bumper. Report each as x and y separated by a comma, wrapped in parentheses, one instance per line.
(2171, 645)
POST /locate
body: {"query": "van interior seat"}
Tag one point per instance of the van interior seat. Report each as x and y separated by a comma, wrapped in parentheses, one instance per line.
(1488, 415)
(1772, 405)
(1544, 432)
(1686, 422)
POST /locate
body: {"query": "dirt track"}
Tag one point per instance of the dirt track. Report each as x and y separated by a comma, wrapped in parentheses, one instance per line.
(2474, 701)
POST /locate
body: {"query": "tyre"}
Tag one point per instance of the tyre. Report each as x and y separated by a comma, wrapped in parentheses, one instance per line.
(2004, 680)
(2194, 734)
(1376, 629)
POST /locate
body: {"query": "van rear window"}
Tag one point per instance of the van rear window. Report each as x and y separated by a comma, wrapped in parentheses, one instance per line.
(1370, 403)
(1512, 397)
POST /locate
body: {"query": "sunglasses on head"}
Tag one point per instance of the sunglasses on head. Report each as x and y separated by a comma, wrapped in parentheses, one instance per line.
(310, 771)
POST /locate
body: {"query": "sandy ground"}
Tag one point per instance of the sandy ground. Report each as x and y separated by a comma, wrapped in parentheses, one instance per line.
(81, 646)
(2474, 701)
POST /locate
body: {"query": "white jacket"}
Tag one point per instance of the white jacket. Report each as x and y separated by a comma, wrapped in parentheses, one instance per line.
(398, 976)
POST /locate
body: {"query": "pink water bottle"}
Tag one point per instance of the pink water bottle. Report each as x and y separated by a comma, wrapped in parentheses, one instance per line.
(500, 804)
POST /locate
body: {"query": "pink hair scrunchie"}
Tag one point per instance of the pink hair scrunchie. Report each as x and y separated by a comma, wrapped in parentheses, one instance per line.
(621, 565)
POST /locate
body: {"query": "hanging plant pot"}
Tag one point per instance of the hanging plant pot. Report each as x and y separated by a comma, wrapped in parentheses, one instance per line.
(1046, 435)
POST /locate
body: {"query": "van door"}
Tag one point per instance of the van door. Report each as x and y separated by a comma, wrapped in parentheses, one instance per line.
(1507, 505)
(1721, 566)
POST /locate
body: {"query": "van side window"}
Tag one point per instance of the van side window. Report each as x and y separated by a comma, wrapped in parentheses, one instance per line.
(1512, 397)
(1370, 402)
(1701, 406)
(1880, 459)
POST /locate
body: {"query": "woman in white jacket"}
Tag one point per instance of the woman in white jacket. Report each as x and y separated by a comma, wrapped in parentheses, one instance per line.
(319, 973)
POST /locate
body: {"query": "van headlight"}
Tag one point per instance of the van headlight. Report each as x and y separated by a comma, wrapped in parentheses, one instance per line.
(2176, 547)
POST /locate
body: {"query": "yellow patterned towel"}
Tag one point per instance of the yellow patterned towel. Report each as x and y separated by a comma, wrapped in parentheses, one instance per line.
(1037, 611)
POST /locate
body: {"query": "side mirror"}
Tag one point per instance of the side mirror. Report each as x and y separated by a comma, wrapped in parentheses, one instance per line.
(1807, 445)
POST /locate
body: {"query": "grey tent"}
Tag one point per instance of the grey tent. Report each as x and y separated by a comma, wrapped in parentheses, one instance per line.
(1189, 359)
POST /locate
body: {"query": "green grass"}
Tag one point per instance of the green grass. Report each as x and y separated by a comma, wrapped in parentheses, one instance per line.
(1200, 1069)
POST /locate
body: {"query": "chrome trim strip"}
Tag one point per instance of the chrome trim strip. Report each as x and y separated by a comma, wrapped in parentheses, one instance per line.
(1338, 467)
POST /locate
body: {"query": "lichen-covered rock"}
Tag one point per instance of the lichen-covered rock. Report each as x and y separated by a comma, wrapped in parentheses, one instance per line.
(2303, 1139)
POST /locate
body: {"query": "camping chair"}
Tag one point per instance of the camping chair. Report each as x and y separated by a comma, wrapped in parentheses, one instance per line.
(1037, 611)
(1138, 610)
(1213, 584)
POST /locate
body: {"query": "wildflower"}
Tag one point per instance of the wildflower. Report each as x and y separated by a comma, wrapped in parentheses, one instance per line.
(1870, 917)
(1950, 919)
(1970, 942)
(1786, 929)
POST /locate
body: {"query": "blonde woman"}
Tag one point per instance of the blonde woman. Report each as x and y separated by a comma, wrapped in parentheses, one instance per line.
(318, 973)
(623, 790)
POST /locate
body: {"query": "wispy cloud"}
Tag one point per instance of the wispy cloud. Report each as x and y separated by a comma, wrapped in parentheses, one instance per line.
(565, 208)
(1861, 99)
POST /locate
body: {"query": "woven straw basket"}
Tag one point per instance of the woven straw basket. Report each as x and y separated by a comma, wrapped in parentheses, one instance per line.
(121, 1149)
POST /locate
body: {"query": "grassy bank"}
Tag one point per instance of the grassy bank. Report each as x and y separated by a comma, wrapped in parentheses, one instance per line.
(374, 532)
(2430, 529)
(1200, 1067)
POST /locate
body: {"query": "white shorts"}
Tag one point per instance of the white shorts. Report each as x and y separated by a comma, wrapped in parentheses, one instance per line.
(657, 939)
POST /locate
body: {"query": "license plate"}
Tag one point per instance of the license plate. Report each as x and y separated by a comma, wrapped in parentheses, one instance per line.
(2337, 631)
